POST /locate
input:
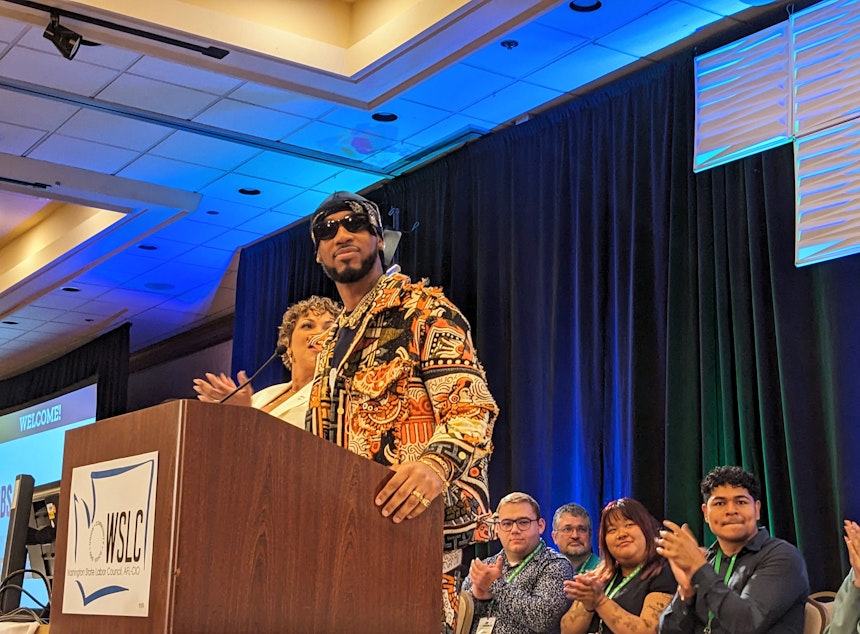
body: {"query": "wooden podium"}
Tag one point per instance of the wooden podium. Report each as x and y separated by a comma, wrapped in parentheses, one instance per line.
(260, 527)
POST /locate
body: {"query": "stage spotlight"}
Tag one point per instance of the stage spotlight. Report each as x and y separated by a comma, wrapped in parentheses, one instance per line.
(67, 41)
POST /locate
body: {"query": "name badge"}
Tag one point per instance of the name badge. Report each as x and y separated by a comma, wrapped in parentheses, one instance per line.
(486, 625)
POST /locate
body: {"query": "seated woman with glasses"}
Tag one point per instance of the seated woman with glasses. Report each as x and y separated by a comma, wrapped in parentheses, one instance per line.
(632, 585)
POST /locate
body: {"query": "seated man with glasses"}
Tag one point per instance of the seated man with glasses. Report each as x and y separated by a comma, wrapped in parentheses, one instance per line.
(571, 531)
(521, 589)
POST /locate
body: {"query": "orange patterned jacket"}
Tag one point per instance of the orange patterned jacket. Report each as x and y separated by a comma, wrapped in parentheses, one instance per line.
(410, 385)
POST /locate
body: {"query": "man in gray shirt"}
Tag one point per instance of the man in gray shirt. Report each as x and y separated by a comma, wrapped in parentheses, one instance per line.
(747, 581)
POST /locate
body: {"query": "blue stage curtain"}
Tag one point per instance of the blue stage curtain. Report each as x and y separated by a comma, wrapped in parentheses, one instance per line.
(640, 324)
(104, 360)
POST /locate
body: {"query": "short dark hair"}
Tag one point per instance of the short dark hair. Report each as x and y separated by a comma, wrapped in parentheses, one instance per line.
(731, 476)
(572, 509)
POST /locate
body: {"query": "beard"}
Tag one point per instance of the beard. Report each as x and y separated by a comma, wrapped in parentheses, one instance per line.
(352, 274)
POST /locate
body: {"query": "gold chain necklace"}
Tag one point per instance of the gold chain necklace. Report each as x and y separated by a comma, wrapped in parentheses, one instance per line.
(351, 320)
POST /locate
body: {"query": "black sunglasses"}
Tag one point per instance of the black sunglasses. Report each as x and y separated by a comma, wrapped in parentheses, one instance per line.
(327, 229)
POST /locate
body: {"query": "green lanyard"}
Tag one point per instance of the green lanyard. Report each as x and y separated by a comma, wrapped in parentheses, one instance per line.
(523, 563)
(611, 591)
(717, 563)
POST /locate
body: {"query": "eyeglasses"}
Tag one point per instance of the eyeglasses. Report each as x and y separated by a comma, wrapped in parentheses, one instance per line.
(567, 530)
(522, 523)
(327, 229)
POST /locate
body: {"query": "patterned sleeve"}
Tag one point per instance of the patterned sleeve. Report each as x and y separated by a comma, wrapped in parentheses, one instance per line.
(538, 608)
(455, 380)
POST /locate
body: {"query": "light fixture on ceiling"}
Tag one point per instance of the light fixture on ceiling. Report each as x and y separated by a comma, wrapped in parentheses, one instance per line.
(584, 7)
(208, 51)
(509, 45)
(249, 191)
(384, 117)
(67, 41)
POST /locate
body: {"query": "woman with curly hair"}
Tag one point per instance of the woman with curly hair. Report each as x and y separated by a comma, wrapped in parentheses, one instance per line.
(300, 328)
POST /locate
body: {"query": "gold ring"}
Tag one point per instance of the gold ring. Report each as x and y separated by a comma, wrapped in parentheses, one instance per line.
(425, 502)
(417, 494)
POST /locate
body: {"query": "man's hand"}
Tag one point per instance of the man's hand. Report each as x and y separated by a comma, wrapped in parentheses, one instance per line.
(409, 492)
(679, 546)
(483, 575)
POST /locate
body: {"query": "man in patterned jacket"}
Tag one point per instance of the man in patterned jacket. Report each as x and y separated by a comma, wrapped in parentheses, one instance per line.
(398, 381)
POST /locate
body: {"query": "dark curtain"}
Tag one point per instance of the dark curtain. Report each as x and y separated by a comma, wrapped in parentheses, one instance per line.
(104, 359)
(641, 324)
(273, 274)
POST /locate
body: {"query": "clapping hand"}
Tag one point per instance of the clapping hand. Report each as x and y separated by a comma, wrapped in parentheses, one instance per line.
(216, 386)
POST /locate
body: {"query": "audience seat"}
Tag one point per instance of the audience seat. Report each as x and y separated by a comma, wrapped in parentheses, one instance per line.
(815, 617)
(465, 613)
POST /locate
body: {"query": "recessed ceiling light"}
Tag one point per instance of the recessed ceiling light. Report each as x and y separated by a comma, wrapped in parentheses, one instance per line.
(249, 191)
(384, 117)
(71, 289)
(10, 323)
(147, 247)
(212, 212)
(159, 286)
(88, 319)
(509, 44)
(583, 6)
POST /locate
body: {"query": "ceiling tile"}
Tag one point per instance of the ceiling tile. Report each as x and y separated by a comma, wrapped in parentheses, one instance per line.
(392, 154)
(511, 102)
(10, 30)
(445, 90)
(207, 256)
(271, 193)
(723, 7)
(40, 114)
(305, 203)
(282, 100)
(62, 300)
(292, 170)
(156, 96)
(170, 173)
(346, 180)
(183, 75)
(595, 24)
(118, 270)
(189, 231)
(54, 71)
(658, 29)
(164, 249)
(265, 123)
(412, 117)
(337, 140)
(18, 140)
(83, 154)
(204, 150)
(233, 239)
(581, 67)
(224, 213)
(114, 130)
(449, 128)
(537, 46)
(269, 222)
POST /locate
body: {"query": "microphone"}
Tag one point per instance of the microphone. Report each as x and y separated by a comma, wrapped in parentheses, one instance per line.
(279, 351)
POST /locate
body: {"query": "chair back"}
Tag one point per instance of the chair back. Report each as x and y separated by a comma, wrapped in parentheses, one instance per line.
(815, 617)
(465, 613)
(825, 598)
